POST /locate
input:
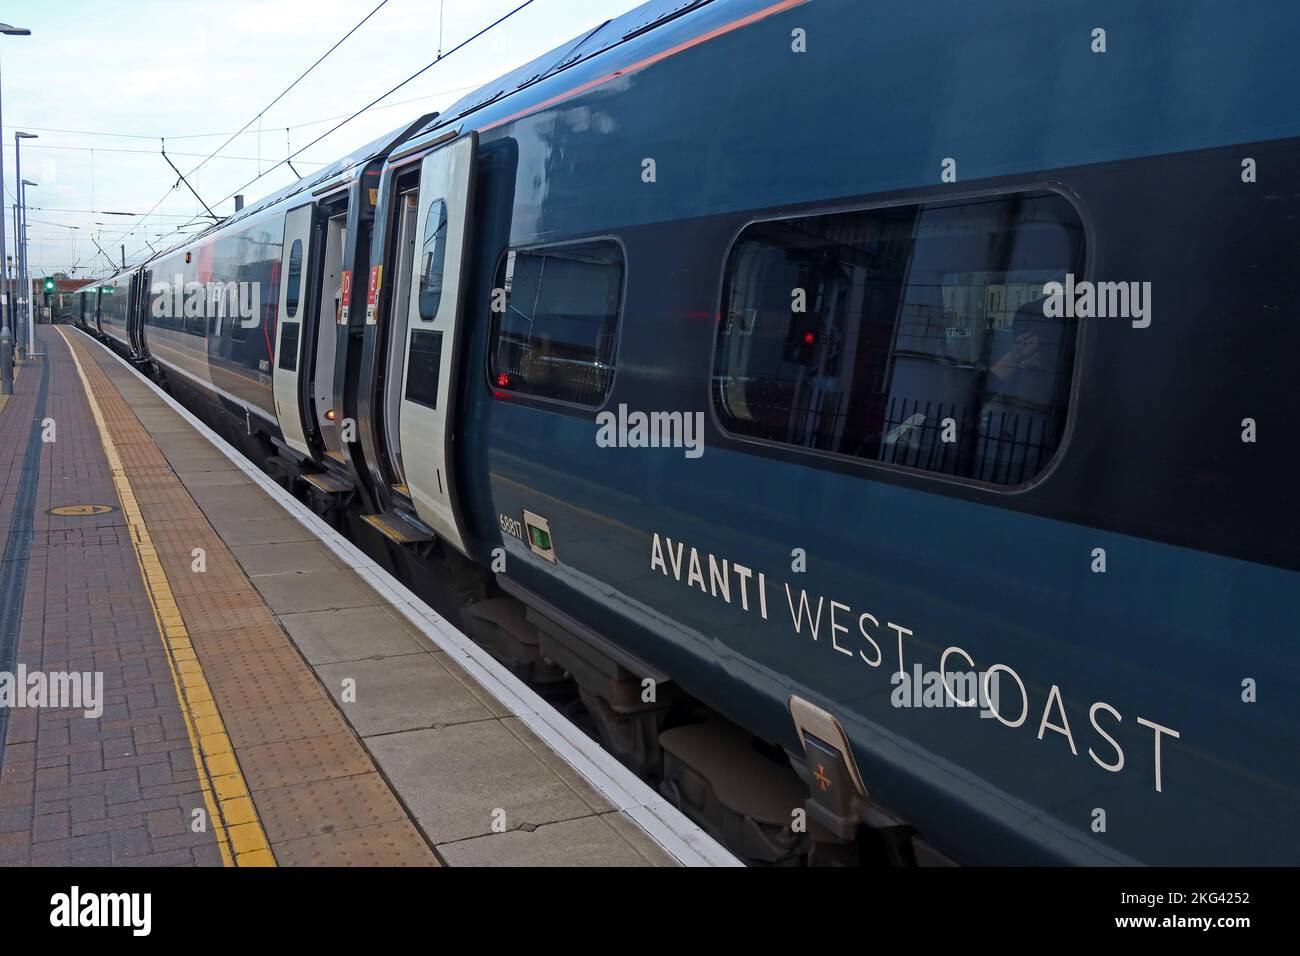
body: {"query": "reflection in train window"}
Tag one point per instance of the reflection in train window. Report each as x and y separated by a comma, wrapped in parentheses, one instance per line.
(554, 320)
(294, 284)
(433, 253)
(913, 335)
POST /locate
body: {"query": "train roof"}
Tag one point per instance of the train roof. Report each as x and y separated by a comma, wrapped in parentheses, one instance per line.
(611, 33)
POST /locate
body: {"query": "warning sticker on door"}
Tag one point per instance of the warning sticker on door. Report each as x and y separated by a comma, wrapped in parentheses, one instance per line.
(345, 296)
(376, 278)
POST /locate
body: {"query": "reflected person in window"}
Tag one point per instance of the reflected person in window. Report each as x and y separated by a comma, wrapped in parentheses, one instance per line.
(1025, 390)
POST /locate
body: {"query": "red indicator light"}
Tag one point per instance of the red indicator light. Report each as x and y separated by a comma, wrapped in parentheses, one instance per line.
(503, 380)
(809, 338)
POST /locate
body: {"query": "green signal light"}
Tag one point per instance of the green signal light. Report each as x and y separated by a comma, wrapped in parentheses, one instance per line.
(49, 285)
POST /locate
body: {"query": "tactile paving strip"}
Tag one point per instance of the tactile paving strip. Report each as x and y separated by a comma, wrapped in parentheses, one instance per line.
(250, 726)
(328, 806)
(384, 844)
(316, 791)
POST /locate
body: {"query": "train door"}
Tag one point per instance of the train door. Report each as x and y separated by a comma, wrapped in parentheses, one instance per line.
(288, 332)
(408, 205)
(434, 277)
(129, 314)
(134, 314)
(332, 235)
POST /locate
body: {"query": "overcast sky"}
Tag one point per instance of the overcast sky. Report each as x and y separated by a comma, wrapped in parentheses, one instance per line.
(195, 72)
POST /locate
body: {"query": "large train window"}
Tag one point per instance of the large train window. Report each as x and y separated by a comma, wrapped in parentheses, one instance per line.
(912, 335)
(555, 320)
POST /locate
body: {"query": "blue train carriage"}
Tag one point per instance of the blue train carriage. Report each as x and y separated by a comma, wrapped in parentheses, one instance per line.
(83, 306)
(970, 345)
(114, 313)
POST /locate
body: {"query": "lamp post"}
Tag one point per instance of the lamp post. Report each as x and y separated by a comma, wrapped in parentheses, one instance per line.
(6, 337)
(21, 342)
(13, 312)
(22, 257)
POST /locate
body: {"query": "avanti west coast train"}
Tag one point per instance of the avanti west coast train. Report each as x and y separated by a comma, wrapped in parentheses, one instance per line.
(873, 422)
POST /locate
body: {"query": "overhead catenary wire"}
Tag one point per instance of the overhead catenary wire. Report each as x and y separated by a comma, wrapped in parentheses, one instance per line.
(345, 119)
(146, 152)
(259, 115)
(285, 91)
(188, 217)
(9, 127)
(351, 116)
(420, 72)
(106, 212)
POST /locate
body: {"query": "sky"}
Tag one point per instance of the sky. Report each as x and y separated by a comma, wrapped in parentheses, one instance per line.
(193, 73)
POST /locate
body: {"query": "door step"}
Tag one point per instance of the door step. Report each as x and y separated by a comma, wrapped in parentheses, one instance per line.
(328, 484)
(401, 488)
(398, 528)
(337, 456)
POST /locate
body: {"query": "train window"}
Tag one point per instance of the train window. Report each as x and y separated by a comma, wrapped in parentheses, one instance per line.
(289, 346)
(432, 256)
(912, 335)
(423, 367)
(554, 321)
(294, 282)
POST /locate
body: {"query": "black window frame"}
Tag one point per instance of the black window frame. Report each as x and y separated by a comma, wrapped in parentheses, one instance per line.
(293, 354)
(293, 289)
(557, 404)
(853, 464)
(439, 257)
(424, 393)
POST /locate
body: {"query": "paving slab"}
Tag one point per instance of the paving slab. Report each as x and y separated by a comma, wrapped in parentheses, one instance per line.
(254, 504)
(314, 591)
(605, 840)
(392, 694)
(238, 531)
(460, 779)
(351, 634)
(280, 557)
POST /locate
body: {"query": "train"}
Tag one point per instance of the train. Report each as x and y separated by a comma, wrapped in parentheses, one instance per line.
(869, 420)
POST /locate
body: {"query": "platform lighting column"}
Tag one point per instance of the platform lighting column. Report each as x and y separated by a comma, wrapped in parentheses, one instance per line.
(6, 314)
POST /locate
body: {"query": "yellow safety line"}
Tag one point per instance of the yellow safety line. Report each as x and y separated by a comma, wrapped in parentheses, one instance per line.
(225, 792)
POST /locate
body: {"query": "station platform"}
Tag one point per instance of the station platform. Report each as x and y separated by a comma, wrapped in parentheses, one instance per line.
(267, 694)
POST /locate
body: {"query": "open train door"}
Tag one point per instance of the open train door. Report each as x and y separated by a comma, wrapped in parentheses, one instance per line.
(137, 300)
(426, 412)
(288, 330)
